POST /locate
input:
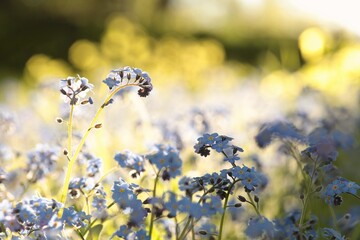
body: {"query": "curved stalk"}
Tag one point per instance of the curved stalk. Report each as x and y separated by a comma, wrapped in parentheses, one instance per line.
(81, 144)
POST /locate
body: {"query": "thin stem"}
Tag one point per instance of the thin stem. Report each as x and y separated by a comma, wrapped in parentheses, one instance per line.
(333, 216)
(253, 204)
(308, 193)
(184, 232)
(224, 208)
(354, 195)
(70, 129)
(192, 230)
(176, 228)
(81, 144)
(152, 209)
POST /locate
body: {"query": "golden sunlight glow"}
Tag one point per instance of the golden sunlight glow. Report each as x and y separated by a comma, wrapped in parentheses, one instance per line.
(84, 54)
(41, 68)
(312, 44)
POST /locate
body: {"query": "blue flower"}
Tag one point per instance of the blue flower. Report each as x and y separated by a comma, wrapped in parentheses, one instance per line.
(74, 218)
(123, 193)
(281, 130)
(332, 191)
(93, 167)
(193, 209)
(231, 159)
(239, 172)
(221, 143)
(166, 158)
(189, 185)
(332, 234)
(142, 235)
(250, 180)
(206, 230)
(41, 162)
(212, 205)
(99, 207)
(123, 232)
(207, 139)
(172, 205)
(128, 75)
(130, 160)
(260, 228)
(26, 216)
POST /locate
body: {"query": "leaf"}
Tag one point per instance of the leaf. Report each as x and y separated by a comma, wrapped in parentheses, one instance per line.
(95, 231)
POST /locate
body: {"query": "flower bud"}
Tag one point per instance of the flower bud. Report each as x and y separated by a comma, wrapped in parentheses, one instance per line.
(241, 198)
(59, 120)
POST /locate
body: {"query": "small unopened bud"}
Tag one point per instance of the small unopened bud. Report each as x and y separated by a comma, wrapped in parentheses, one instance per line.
(63, 91)
(91, 100)
(256, 199)
(237, 205)
(59, 120)
(121, 74)
(302, 196)
(203, 232)
(241, 198)
(84, 102)
(65, 152)
(99, 125)
(318, 189)
(128, 76)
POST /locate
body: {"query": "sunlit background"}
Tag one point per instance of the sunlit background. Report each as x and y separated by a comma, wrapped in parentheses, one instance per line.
(217, 66)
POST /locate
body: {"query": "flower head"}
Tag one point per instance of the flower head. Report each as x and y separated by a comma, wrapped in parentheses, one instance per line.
(75, 88)
(127, 75)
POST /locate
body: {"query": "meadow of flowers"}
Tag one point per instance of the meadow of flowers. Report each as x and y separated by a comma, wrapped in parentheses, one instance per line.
(212, 155)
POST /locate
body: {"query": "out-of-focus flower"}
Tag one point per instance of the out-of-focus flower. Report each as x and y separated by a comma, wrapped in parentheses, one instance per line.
(167, 159)
(332, 234)
(78, 185)
(280, 130)
(41, 161)
(130, 160)
(260, 228)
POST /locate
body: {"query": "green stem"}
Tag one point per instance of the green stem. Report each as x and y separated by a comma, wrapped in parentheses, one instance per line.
(253, 204)
(81, 144)
(184, 232)
(152, 209)
(308, 193)
(224, 208)
(354, 195)
(192, 230)
(92, 223)
(70, 130)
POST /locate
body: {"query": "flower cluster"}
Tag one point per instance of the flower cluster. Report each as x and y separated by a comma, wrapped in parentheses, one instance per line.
(332, 192)
(216, 142)
(41, 161)
(158, 201)
(130, 161)
(40, 215)
(126, 76)
(75, 89)
(166, 158)
(123, 194)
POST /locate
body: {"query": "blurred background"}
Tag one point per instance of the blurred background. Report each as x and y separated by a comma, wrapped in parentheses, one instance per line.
(217, 66)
